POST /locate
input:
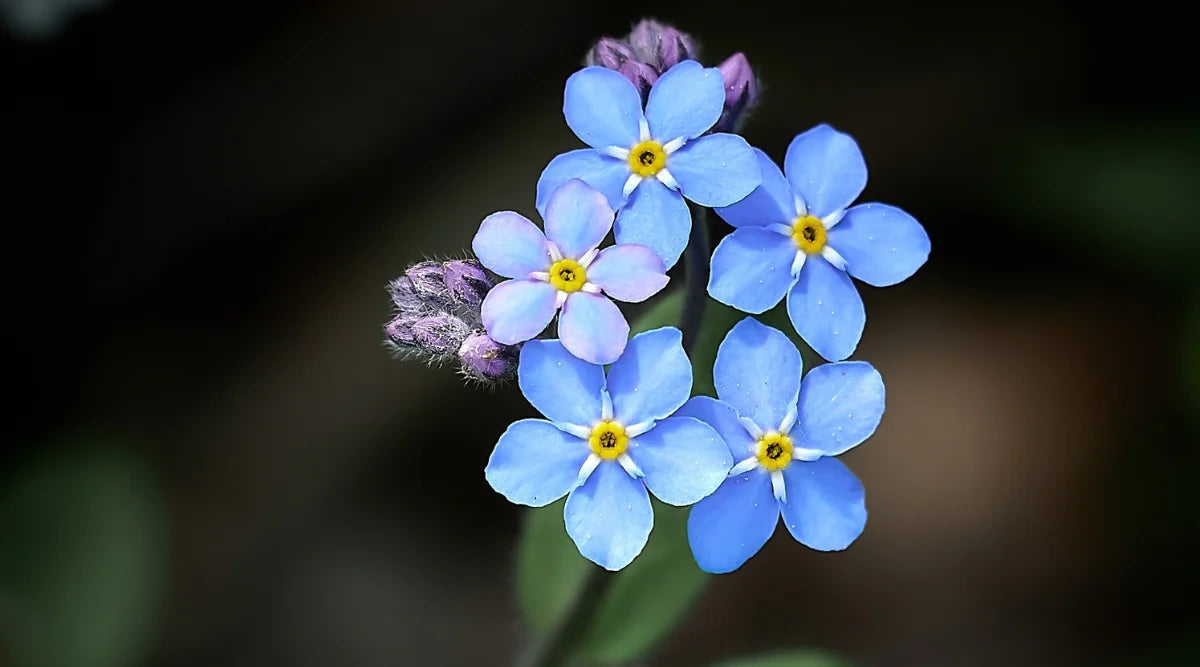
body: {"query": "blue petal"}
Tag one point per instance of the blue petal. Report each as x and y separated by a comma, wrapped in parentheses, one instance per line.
(717, 170)
(510, 245)
(826, 168)
(517, 310)
(882, 245)
(602, 108)
(609, 517)
(728, 527)
(656, 216)
(770, 203)
(578, 218)
(628, 272)
(652, 379)
(685, 101)
(758, 373)
(840, 406)
(560, 386)
(752, 269)
(825, 508)
(826, 310)
(534, 463)
(605, 173)
(592, 328)
(683, 459)
(724, 420)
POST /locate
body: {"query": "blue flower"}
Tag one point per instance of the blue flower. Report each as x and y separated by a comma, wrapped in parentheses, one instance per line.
(783, 434)
(566, 272)
(607, 441)
(643, 162)
(796, 236)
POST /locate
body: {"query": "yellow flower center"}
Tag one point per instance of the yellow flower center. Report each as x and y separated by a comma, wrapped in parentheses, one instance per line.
(567, 275)
(774, 451)
(809, 234)
(647, 158)
(608, 440)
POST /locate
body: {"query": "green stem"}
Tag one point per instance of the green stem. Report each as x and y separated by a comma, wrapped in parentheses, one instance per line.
(695, 296)
(554, 647)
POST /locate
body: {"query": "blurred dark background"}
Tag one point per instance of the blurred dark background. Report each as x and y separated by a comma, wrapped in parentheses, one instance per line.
(209, 457)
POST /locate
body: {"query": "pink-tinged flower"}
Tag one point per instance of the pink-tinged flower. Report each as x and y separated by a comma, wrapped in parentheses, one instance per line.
(564, 270)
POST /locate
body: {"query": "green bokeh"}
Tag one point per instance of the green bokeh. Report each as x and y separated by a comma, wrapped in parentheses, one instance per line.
(81, 558)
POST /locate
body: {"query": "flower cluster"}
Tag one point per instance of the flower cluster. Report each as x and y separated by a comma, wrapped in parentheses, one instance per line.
(657, 125)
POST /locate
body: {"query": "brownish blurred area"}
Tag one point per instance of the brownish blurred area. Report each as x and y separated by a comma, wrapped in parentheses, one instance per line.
(209, 198)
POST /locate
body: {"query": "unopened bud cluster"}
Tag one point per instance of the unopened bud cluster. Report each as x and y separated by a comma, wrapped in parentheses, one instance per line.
(653, 48)
(437, 319)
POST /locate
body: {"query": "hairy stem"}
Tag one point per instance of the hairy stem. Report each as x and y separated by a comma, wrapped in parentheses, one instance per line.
(553, 649)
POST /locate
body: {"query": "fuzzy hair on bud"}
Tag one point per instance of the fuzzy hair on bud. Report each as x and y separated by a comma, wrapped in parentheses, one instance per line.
(466, 281)
(428, 280)
(441, 333)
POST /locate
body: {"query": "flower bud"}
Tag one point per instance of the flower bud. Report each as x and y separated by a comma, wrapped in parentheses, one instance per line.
(403, 295)
(399, 330)
(441, 333)
(741, 91)
(427, 280)
(660, 46)
(466, 280)
(609, 53)
(641, 75)
(486, 360)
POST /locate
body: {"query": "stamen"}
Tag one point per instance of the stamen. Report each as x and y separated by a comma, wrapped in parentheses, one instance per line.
(608, 440)
(774, 451)
(647, 158)
(808, 233)
(567, 275)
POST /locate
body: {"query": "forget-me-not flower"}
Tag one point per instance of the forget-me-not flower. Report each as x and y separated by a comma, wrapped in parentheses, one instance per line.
(646, 163)
(783, 434)
(796, 236)
(607, 441)
(565, 271)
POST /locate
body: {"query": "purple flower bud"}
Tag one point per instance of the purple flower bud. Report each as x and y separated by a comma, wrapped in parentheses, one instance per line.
(609, 53)
(441, 333)
(741, 91)
(641, 75)
(427, 280)
(660, 46)
(399, 330)
(467, 281)
(403, 295)
(484, 359)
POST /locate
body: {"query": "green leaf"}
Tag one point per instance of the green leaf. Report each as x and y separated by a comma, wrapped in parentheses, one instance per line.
(550, 571)
(82, 545)
(648, 598)
(799, 658)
